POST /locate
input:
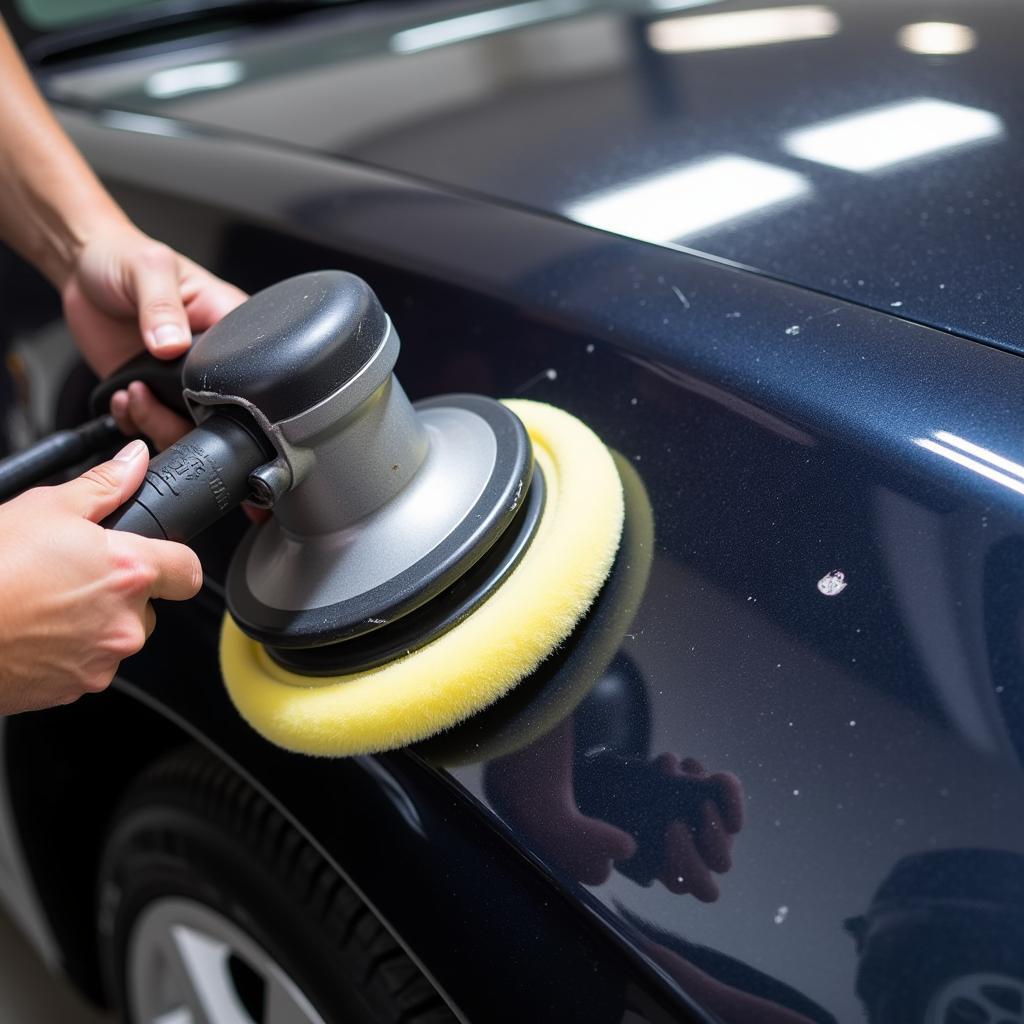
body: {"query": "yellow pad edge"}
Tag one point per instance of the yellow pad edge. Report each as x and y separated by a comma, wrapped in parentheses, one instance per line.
(481, 658)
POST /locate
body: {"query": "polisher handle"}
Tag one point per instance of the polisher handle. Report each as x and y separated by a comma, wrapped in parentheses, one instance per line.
(196, 481)
(161, 376)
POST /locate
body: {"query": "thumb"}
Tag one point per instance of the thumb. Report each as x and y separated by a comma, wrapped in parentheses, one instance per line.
(100, 490)
(157, 289)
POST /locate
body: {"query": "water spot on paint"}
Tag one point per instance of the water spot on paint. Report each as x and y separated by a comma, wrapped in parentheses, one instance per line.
(796, 792)
(794, 329)
(590, 350)
(832, 583)
(852, 723)
(734, 315)
(780, 914)
(633, 401)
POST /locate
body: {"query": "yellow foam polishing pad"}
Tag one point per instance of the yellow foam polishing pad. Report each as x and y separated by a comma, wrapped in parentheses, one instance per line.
(554, 690)
(481, 658)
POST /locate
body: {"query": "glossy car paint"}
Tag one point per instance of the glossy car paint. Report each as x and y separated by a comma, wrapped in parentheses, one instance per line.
(558, 102)
(783, 435)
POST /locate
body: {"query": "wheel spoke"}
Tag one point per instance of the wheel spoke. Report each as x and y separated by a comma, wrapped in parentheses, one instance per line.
(179, 1016)
(285, 1004)
(205, 962)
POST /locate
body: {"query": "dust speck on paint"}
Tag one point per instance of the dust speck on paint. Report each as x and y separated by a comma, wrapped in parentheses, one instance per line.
(795, 329)
(780, 914)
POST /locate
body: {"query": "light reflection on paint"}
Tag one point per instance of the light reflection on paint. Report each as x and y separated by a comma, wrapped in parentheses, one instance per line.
(897, 133)
(973, 456)
(674, 204)
(734, 29)
(937, 38)
(480, 23)
(215, 74)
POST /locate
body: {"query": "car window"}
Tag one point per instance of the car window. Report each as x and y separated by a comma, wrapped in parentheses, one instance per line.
(54, 13)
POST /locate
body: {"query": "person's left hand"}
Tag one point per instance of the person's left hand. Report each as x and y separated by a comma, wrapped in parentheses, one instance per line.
(125, 291)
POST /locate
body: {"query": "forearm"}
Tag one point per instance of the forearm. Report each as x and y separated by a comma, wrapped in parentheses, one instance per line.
(50, 200)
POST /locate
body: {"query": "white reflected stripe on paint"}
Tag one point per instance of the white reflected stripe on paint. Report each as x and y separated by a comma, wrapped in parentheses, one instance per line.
(216, 74)
(871, 140)
(734, 29)
(962, 459)
(479, 24)
(1000, 461)
(680, 202)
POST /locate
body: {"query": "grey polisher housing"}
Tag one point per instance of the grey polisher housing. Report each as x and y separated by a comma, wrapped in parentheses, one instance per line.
(379, 506)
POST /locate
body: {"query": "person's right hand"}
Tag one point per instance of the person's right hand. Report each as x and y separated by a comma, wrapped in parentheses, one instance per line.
(75, 597)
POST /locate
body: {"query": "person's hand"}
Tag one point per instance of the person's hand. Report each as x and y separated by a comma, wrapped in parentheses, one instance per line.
(125, 290)
(74, 597)
(703, 844)
(533, 787)
(136, 410)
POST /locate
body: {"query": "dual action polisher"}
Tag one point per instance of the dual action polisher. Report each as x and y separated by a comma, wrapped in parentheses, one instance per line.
(420, 559)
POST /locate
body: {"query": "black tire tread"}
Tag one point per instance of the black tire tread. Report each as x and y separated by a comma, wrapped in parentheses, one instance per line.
(195, 779)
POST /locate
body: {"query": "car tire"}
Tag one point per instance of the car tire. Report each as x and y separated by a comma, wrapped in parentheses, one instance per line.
(212, 906)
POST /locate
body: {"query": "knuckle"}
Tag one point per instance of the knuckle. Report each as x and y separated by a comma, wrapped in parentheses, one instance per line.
(102, 477)
(96, 677)
(96, 682)
(134, 574)
(127, 637)
(155, 255)
(162, 306)
(195, 569)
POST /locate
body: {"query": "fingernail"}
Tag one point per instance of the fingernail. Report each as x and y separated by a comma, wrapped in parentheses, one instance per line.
(168, 334)
(119, 402)
(131, 451)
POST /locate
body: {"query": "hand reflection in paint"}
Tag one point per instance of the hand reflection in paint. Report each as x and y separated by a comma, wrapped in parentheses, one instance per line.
(588, 807)
(667, 820)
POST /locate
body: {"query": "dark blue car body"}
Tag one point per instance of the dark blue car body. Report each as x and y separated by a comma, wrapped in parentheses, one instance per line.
(809, 352)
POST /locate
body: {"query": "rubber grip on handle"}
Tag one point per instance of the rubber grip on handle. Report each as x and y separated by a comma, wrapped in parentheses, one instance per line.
(161, 376)
(195, 481)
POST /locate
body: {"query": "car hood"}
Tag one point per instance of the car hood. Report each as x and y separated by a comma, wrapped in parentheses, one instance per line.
(864, 149)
